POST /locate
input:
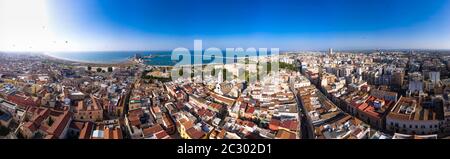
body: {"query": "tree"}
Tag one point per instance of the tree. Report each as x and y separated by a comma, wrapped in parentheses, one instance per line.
(110, 69)
(99, 69)
(89, 68)
(38, 135)
(224, 74)
(192, 72)
(4, 131)
(50, 121)
(269, 66)
(119, 113)
(247, 76)
(284, 65)
(20, 135)
(213, 72)
(257, 71)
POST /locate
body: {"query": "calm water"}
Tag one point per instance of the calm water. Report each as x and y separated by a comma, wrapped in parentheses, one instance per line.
(158, 57)
(94, 57)
(162, 58)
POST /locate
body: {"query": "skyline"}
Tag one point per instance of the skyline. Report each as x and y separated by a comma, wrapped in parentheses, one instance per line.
(87, 25)
(224, 69)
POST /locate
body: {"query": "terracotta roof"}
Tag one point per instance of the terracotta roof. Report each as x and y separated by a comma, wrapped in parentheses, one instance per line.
(30, 126)
(152, 130)
(162, 135)
(216, 106)
(222, 99)
(86, 132)
(136, 112)
(250, 110)
(93, 106)
(283, 134)
(76, 125)
(221, 135)
(275, 122)
(201, 112)
(167, 121)
(117, 133)
(107, 133)
(290, 124)
(60, 124)
(248, 123)
(187, 124)
(135, 121)
(39, 115)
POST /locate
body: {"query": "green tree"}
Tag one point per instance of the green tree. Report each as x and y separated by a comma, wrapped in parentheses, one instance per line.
(284, 65)
(99, 69)
(4, 131)
(269, 66)
(119, 113)
(110, 69)
(89, 68)
(247, 75)
(224, 74)
(257, 71)
(50, 121)
(192, 72)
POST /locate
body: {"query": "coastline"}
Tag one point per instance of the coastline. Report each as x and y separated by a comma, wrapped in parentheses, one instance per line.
(129, 61)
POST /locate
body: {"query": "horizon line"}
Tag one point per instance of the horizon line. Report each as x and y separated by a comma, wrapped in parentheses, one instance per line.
(286, 50)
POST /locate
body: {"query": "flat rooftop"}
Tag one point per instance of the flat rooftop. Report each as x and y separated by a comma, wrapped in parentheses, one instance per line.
(408, 108)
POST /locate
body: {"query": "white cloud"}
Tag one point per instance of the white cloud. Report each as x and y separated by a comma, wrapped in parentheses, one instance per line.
(25, 26)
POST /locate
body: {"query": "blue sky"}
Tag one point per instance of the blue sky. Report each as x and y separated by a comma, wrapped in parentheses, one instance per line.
(285, 24)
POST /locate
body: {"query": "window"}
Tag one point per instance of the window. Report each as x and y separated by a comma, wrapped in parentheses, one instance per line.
(410, 126)
(417, 126)
(404, 126)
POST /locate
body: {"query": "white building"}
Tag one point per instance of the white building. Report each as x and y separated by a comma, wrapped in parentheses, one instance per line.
(415, 86)
(435, 77)
(409, 117)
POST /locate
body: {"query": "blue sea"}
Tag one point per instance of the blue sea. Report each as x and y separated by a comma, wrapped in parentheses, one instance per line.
(160, 58)
(94, 57)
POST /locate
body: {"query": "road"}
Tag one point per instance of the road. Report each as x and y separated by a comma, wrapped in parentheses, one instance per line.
(306, 127)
